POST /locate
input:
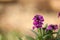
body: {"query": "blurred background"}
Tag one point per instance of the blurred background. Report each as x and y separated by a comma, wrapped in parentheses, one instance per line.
(18, 14)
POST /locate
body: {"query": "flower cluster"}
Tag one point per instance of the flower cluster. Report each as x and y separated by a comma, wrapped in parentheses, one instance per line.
(38, 21)
(59, 14)
(46, 32)
(52, 27)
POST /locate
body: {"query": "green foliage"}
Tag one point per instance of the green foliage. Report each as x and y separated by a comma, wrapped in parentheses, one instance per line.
(58, 35)
(43, 34)
(14, 35)
(29, 38)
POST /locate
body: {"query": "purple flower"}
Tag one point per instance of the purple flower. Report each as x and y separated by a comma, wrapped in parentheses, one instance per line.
(38, 17)
(38, 21)
(52, 27)
(59, 14)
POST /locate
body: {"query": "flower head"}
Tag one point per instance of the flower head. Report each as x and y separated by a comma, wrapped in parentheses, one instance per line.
(38, 21)
(59, 14)
(52, 27)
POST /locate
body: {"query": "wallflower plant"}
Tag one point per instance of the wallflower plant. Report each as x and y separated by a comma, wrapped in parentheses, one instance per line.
(44, 33)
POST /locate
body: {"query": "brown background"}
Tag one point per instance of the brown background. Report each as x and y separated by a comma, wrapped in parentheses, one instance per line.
(19, 15)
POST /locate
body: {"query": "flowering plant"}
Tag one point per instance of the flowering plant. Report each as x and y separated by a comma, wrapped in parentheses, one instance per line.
(44, 33)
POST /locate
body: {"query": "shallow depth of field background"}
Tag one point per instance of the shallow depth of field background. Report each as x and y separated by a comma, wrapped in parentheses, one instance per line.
(17, 15)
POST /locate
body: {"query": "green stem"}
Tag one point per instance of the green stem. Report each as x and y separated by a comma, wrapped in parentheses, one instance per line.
(40, 31)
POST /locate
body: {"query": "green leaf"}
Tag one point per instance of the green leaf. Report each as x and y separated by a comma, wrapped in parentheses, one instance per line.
(44, 29)
(58, 32)
(49, 36)
(20, 38)
(17, 34)
(0, 36)
(58, 35)
(29, 38)
(4, 37)
(35, 32)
